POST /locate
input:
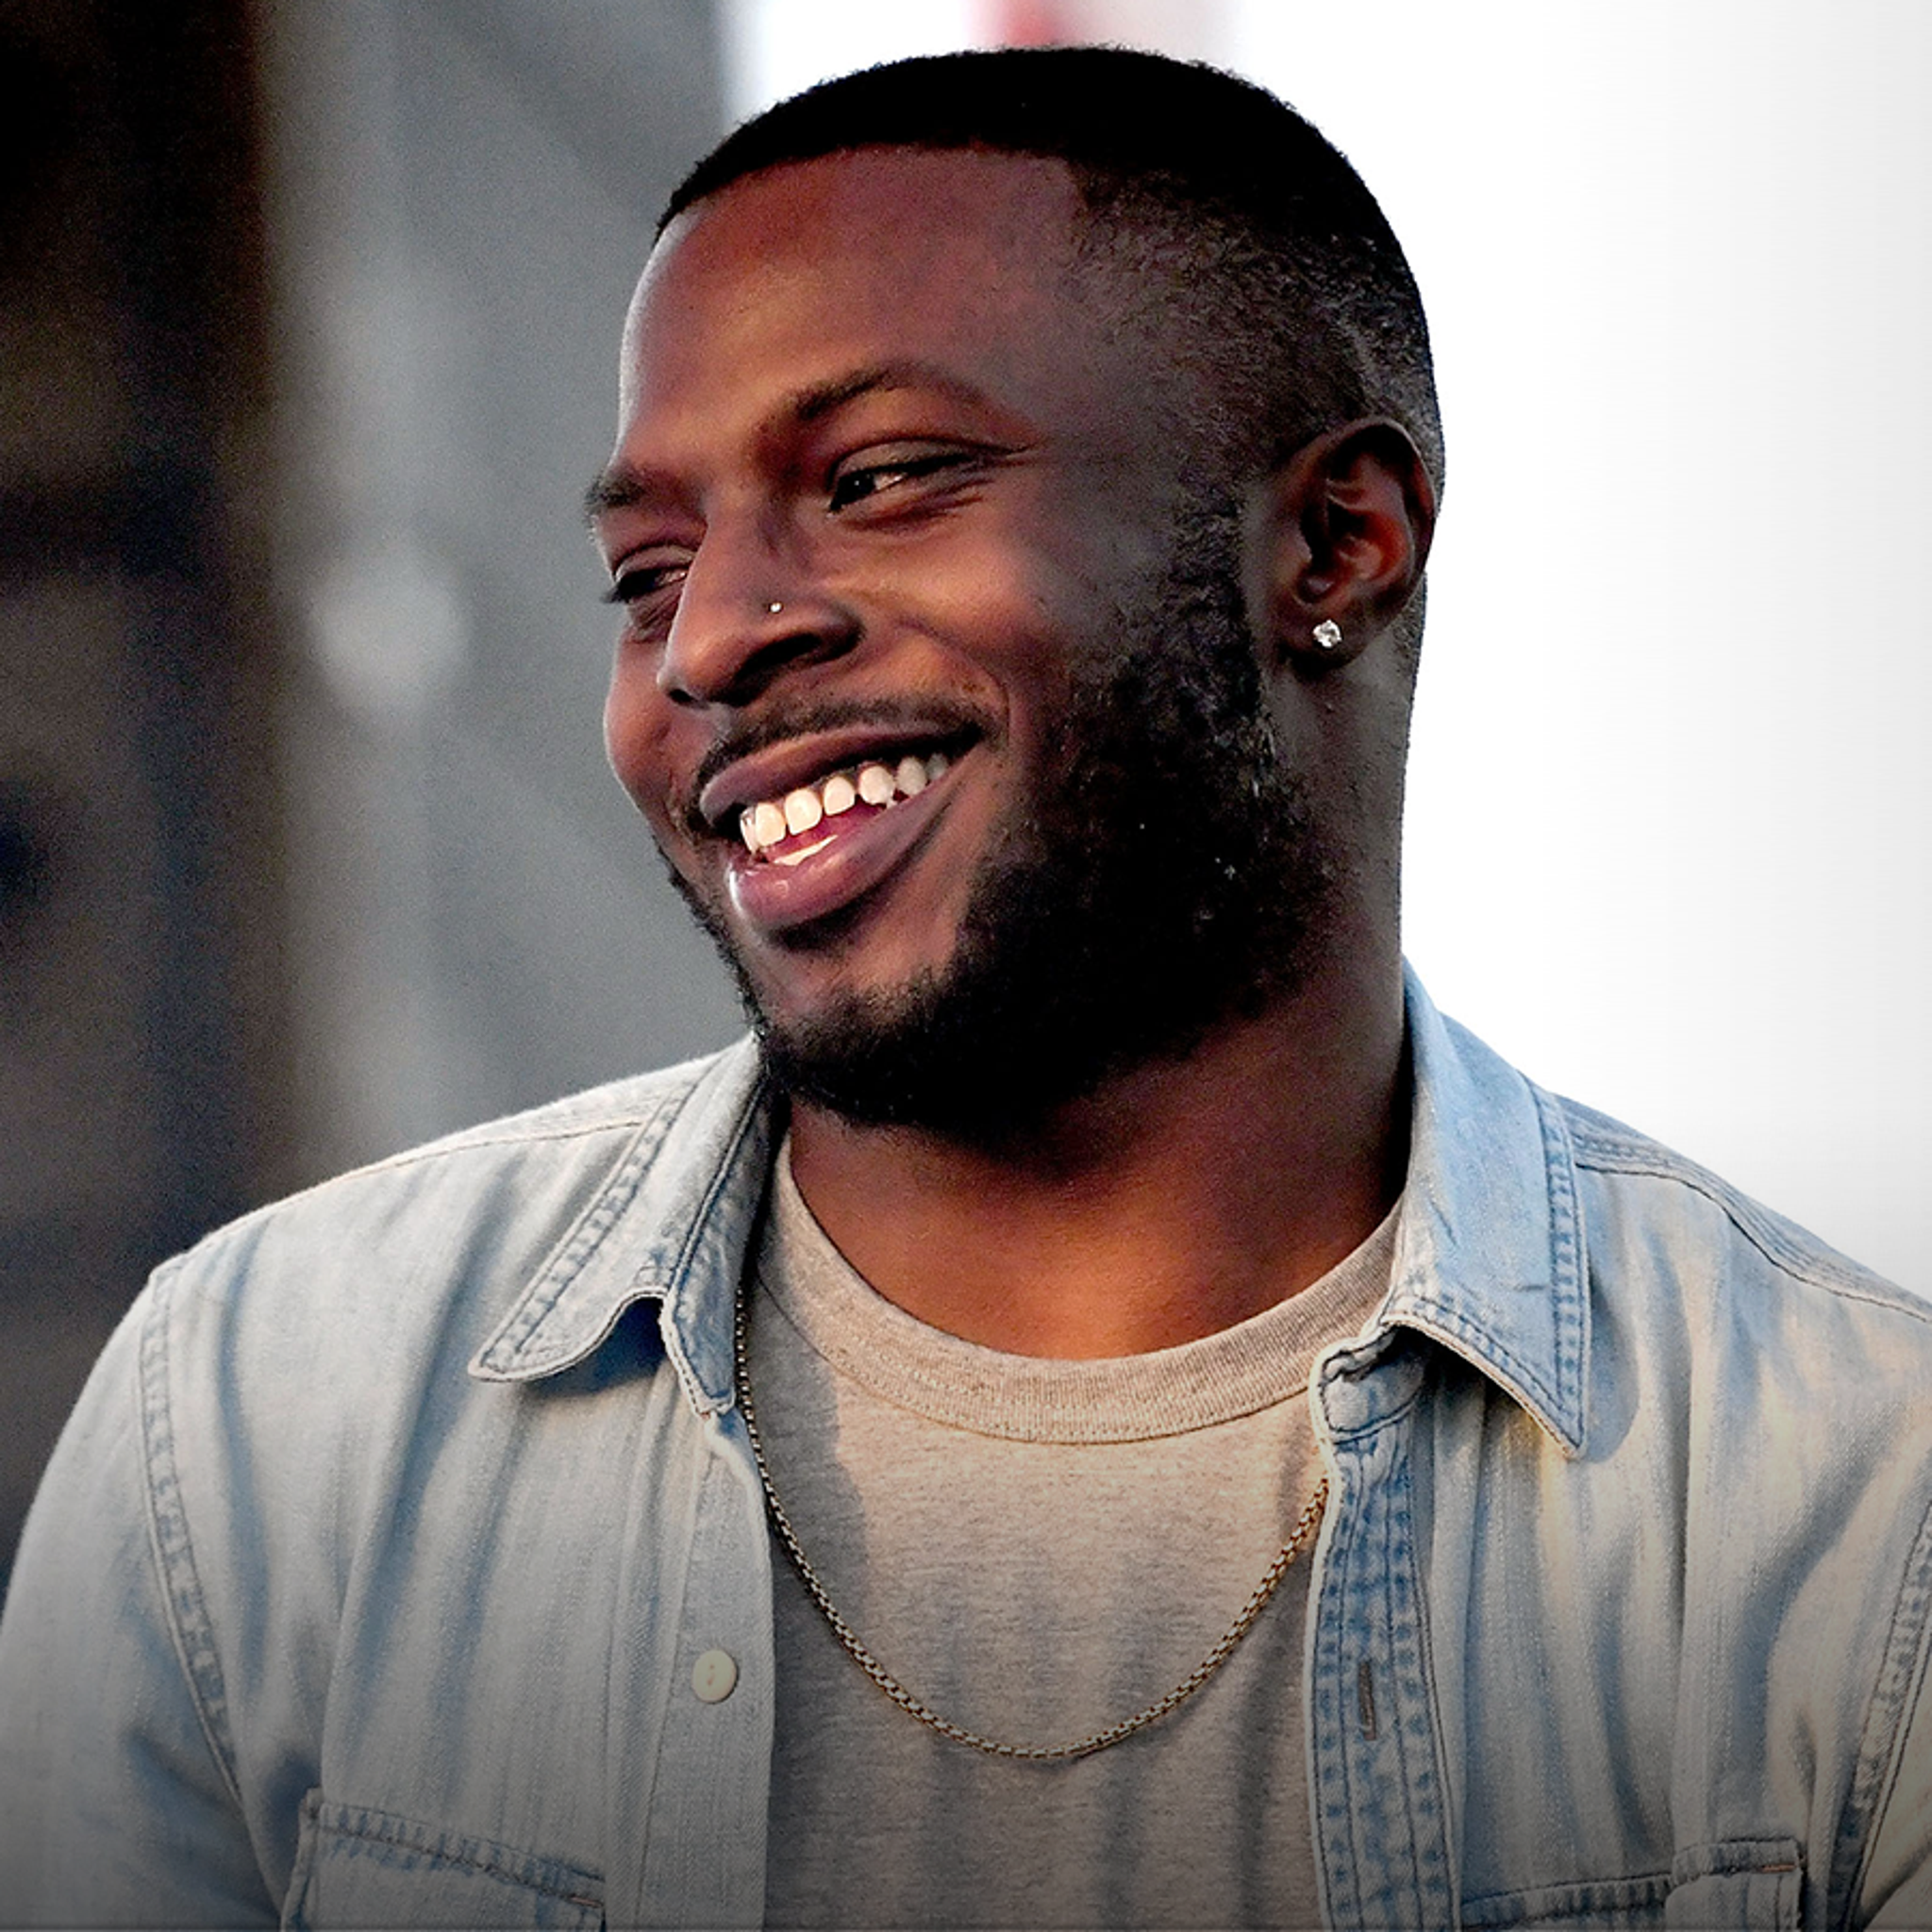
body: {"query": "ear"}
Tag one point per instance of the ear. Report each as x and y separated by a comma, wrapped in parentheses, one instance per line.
(1339, 537)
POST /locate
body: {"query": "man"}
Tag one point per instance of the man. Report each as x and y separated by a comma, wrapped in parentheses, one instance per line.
(1278, 1466)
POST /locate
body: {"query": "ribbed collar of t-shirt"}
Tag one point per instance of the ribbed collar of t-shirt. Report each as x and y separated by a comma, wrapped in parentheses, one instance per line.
(1236, 1371)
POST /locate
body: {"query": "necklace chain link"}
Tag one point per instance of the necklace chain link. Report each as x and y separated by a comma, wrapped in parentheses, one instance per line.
(856, 1648)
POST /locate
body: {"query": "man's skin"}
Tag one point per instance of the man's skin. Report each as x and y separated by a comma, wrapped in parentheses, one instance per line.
(875, 391)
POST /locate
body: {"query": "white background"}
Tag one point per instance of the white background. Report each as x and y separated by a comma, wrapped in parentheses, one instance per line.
(1668, 834)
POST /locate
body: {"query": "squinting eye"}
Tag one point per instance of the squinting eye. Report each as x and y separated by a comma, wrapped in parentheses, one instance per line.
(855, 484)
(644, 581)
(862, 480)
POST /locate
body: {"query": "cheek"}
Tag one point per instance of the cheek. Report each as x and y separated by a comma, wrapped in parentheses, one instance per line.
(637, 732)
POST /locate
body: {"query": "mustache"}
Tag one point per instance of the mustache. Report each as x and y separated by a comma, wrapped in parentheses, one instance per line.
(939, 716)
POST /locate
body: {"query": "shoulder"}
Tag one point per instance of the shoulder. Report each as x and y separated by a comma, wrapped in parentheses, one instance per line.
(1698, 1229)
(1779, 1396)
(311, 1363)
(1747, 1339)
(504, 1183)
(577, 1130)
(399, 1270)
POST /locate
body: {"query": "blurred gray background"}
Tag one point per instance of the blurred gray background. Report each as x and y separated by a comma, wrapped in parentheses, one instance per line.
(308, 326)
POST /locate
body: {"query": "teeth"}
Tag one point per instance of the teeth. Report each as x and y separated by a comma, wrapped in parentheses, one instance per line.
(766, 823)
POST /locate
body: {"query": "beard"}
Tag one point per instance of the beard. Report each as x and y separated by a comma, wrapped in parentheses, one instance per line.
(1165, 878)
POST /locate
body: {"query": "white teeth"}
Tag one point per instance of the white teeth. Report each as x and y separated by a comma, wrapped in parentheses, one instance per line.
(877, 784)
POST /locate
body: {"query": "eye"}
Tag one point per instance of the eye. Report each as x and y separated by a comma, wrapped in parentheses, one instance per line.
(892, 469)
(636, 583)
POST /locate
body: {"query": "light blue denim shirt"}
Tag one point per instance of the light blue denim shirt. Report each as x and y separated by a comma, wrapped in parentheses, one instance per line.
(370, 1583)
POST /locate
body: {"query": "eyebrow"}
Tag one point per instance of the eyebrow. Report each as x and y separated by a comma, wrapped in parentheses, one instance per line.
(909, 372)
(621, 486)
(616, 486)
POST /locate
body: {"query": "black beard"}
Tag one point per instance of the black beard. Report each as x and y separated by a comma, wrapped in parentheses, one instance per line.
(1168, 877)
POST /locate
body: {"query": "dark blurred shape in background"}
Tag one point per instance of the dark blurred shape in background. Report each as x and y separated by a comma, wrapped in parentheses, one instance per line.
(308, 326)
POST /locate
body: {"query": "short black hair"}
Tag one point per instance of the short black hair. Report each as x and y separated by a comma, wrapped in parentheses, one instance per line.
(1302, 306)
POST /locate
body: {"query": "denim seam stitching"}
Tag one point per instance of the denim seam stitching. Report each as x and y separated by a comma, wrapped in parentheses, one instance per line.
(399, 1839)
(1501, 1364)
(1903, 1664)
(1437, 1745)
(1569, 1241)
(185, 1607)
(437, 1151)
(1712, 1863)
(1399, 1492)
(747, 1121)
(449, 1150)
(1632, 1888)
(1341, 1563)
(1632, 1158)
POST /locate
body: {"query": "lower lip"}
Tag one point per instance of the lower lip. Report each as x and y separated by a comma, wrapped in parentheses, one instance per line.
(856, 858)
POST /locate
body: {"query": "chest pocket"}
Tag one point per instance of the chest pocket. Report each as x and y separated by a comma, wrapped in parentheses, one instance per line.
(356, 1867)
(1755, 1885)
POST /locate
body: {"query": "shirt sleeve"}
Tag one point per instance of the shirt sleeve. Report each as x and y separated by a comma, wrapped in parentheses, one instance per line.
(118, 1802)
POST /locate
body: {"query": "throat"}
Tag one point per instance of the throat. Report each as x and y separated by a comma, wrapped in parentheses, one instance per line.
(1168, 1206)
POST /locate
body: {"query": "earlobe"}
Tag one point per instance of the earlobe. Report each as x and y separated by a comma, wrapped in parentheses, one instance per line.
(1344, 534)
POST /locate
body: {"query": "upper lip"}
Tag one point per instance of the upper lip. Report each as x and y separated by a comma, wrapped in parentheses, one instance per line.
(779, 768)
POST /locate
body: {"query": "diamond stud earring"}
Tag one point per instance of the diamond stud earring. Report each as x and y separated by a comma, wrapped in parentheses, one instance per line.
(1328, 634)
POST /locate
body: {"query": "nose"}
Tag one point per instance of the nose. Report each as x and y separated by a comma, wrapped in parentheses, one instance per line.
(747, 615)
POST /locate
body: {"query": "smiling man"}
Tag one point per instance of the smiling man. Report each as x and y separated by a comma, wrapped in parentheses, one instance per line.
(1109, 1410)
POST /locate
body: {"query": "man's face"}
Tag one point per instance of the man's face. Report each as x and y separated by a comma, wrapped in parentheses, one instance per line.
(988, 744)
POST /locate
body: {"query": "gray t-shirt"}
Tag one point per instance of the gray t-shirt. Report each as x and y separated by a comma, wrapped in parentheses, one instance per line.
(1036, 1549)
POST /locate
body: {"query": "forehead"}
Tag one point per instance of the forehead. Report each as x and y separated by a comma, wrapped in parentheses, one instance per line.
(880, 256)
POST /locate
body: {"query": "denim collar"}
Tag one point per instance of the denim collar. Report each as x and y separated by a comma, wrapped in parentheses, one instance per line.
(1490, 1253)
(674, 1223)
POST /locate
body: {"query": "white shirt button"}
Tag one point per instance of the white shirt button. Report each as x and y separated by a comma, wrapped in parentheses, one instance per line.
(714, 1676)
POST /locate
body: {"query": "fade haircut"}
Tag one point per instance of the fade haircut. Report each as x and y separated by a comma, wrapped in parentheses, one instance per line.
(1241, 230)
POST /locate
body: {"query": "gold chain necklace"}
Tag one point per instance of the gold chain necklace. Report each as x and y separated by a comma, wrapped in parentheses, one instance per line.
(856, 1648)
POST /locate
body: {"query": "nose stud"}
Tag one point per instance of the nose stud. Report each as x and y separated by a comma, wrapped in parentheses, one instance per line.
(774, 609)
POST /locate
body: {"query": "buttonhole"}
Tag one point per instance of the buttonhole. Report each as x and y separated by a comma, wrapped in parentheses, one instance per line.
(1365, 1697)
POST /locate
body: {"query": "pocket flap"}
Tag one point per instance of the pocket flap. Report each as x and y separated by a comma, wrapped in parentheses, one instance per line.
(1754, 1882)
(358, 1867)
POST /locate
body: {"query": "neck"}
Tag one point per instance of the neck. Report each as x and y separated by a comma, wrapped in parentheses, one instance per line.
(1180, 1199)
